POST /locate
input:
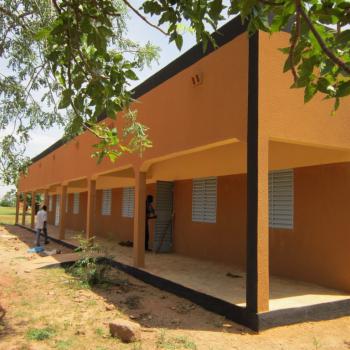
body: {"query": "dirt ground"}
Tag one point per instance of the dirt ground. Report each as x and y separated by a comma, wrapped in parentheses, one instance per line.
(77, 317)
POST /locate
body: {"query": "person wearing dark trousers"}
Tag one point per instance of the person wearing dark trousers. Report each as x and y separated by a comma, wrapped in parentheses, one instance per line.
(41, 219)
(45, 233)
(150, 214)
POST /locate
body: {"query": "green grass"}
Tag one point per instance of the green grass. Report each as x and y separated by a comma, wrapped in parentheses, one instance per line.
(40, 333)
(174, 343)
(7, 215)
(64, 344)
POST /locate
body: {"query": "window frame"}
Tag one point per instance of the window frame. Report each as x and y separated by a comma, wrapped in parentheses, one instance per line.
(128, 202)
(76, 203)
(106, 202)
(204, 205)
(50, 202)
(281, 199)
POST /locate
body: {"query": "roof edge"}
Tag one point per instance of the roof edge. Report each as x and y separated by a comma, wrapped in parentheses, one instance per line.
(222, 36)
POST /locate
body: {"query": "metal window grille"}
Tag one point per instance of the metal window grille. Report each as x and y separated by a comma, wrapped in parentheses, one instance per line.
(57, 212)
(67, 200)
(128, 202)
(281, 199)
(106, 208)
(204, 198)
(50, 202)
(76, 203)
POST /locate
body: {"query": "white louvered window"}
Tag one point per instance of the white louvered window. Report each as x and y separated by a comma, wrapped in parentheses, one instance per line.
(281, 199)
(106, 208)
(50, 202)
(67, 201)
(204, 199)
(128, 202)
(76, 203)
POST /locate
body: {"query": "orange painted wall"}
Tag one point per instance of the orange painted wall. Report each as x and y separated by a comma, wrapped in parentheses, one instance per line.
(51, 213)
(77, 222)
(282, 109)
(223, 241)
(173, 108)
(115, 225)
(316, 250)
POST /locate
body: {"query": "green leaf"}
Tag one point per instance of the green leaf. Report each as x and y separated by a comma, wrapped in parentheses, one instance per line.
(309, 92)
(343, 37)
(130, 74)
(287, 65)
(343, 89)
(42, 34)
(179, 41)
(65, 99)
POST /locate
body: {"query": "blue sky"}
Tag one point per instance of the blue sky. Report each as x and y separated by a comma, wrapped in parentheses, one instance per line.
(138, 31)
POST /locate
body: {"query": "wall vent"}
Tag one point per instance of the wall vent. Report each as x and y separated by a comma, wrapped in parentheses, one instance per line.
(197, 79)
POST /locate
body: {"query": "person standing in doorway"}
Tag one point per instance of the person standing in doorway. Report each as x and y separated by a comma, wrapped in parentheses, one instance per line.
(41, 220)
(150, 214)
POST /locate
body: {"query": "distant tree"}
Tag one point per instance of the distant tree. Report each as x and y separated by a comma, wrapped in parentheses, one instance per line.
(71, 61)
(9, 199)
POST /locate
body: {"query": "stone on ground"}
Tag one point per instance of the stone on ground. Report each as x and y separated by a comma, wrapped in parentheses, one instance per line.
(126, 331)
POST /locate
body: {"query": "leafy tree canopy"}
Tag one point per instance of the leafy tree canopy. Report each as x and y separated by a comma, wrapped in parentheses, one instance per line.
(71, 61)
(8, 199)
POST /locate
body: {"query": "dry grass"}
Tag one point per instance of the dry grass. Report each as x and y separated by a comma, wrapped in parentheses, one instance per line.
(50, 309)
(7, 215)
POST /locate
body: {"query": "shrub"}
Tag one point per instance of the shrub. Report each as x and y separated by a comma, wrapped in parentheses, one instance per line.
(90, 268)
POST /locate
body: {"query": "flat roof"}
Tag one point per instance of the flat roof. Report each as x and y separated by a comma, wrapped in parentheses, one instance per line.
(222, 36)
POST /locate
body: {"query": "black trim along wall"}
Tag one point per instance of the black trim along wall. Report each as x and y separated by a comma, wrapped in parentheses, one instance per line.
(252, 320)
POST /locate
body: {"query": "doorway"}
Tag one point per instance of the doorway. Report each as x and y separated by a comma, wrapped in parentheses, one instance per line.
(163, 231)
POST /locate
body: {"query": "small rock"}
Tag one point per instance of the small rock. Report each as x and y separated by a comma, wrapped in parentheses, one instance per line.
(126, 331)
(110, 307)
(27, 271)
(78, 332)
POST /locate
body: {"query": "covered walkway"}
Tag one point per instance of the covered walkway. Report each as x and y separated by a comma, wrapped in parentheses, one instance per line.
(214, 279)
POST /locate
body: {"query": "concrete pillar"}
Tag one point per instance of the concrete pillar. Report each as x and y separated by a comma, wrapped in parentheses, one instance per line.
(257, 287)
(139, 219)
(32, 211)
(91, 207)
(17, 207)
(46, 199)
(24, 208)
(62, 224)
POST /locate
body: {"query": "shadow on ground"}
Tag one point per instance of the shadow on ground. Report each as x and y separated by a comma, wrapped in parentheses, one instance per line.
(5, 329)
(145, 304)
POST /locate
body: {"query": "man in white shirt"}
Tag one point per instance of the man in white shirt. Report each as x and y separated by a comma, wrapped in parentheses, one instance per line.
(41, 219)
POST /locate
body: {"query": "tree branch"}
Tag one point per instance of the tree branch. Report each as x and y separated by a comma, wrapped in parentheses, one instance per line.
(323, 45)
(271, 3)
(16, 19)
(55, 5)
(127, 3)
(295, 40)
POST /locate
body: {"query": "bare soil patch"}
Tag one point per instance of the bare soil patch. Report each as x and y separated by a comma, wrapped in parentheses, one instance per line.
(50, 309)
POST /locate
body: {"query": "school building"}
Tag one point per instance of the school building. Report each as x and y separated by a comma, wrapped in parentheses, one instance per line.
(251, 187)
